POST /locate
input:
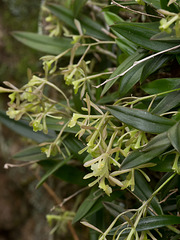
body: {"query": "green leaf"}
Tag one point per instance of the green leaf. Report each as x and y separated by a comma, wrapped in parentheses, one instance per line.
(57, 125)
(74, 146)
(174, 136)
(144, 192)
(154, 3)
(100, 202)
(153, 65)
(116, 209)
(174, 183)
(30, 154)
(163, 164)
(52, 170)
(64, 14)
(121, 68)
(153, 149)
(136, 159)
(45, 43)
(21, 127)
(112, 18)
(67, 173)
(170, 101)
(149, 223)
(130, 79)
(140, 119)
(89, 26)
(160, 85)
(125, 45)
(108, 98)
(86, 205)
(164, 36)
(141, 33)
(157, 142)
(77, 6)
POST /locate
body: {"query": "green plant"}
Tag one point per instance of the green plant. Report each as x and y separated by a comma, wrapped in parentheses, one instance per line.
(116, 113)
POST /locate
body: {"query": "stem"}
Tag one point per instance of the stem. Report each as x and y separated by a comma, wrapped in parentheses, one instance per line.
(115, 220)
(174, 229)
(132, 10)
(59, 90)
(98, 42)
(138, 62)
(157, 190)
(93, 76)
(146, 97)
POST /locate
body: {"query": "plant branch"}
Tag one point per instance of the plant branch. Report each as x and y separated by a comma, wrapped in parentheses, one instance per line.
(138, 62)
(132, 10)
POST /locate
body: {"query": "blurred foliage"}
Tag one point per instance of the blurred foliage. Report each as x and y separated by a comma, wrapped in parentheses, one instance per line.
(16, 58)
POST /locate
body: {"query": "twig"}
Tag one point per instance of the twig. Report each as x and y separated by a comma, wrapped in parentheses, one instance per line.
(73, 195)
(106, 52)
(172, 192)
(135, 11)
(136, 63)
(9, 165)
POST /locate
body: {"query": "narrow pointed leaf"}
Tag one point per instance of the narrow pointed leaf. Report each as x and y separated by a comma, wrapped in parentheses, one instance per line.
(57, 125)
(123, 43)
(161, 85)
(141, 33)
(30, 154)
(149, 223)
(141, 120)
(77, 6)
(174, 136)
(126, 46)
(153, 65)
(45, 43)
(52, 170)
(153, 149)
(154, 3)
(164, 36)
(116, 209)
(144, 192)
(74, 145)
(168, 102)
(89, 26)
(22, 128)
(163, 165)
(86, 205)
(100, 202)
(67, 173)
(157, 142)
(121, 68)
(136, 159)
(130, 79)
(112, 18)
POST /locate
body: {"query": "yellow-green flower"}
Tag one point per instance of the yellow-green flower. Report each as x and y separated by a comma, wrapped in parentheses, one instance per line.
(14, 114)
(74, 119)
(37, 126)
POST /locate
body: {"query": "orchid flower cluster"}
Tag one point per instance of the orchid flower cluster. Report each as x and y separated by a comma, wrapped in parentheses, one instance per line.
(106, 145)
(75, 74)
(30, 101)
